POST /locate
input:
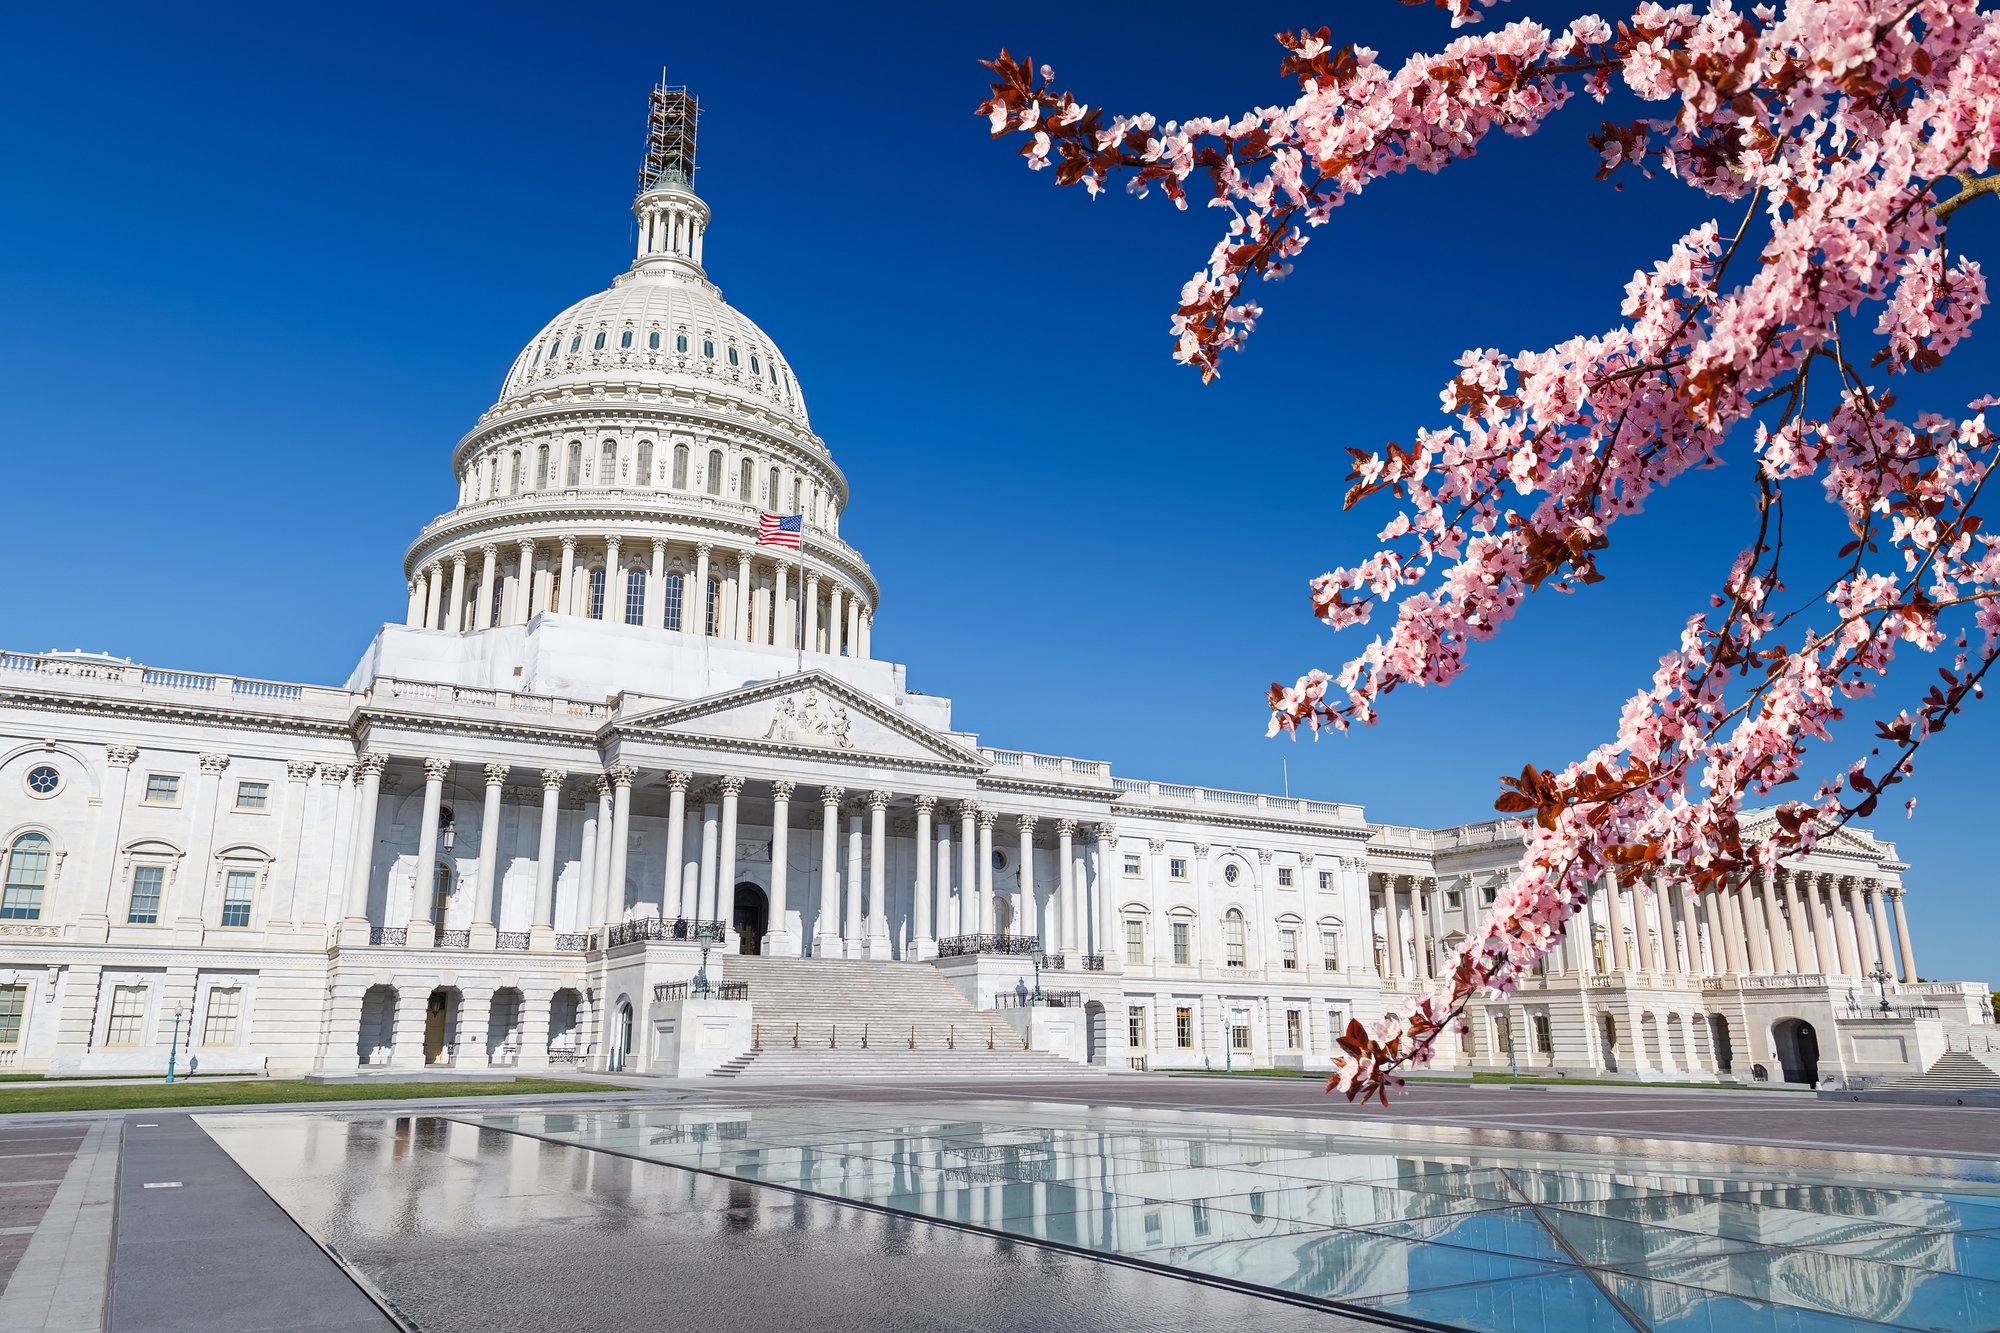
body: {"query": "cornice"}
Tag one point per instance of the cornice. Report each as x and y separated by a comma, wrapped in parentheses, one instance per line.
(164, 710)
(1211, 818)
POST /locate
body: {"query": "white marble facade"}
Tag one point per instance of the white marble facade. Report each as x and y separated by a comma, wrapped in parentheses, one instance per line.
(611, 722)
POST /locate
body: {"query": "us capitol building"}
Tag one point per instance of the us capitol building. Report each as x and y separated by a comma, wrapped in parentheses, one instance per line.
(615, 730)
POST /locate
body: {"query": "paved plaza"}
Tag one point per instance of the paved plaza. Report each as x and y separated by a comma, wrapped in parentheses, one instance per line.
(1126, 1203)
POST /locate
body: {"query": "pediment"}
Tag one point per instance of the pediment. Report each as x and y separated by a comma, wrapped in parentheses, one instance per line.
(813, 713)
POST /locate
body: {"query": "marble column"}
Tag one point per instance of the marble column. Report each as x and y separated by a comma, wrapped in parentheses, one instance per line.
(1805, 957)
(784, 624)
(487, 875)
(742, 597)
(1864, 938)
(1079, 900)
(524, 593)
(1774, 922)
(419, 591)
(879, 944)
(1419, 935)
(851, 933)
(567, 602)
(1623, 934)
(988, 918)
(454, 611)
(1843, 925)
(1106, 917)
(1826, 957)
(1392, 932)
(711, 819)
(922, 943)
(779, 939)
(433, 596)
(812, 612)
(1059, 916)
(612, 610)
(545, 855)
(947, 904)
(656, 587)
(694, 601)
(731, 788)
(601, 910)
(1907, 950)
(673, 885)
(622, 777)
(1027, 923)
(482, 596)
(422, 928)
(1885, 944)
(971, 922)
(1727, 927)
(834, 621)
(826, 937)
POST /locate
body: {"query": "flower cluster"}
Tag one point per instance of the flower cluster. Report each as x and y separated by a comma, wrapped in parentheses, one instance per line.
(1837, 129)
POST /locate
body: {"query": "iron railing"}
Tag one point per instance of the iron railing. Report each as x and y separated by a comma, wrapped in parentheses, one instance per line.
(511, 939)
(452, 939)
(579, 943)
(659, 928)
(1093, 962)
(1053, 999)
(959, 946)
(681, 990)
(396, 936)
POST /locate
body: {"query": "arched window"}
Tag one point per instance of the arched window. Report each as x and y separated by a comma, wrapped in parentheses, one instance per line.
(440, 894)
(653, 341)
(27, 878)
(576, 344)
(575, 464)
(597, 593)
(645, 462)
(772, 490)
(680, 342)
(607, 463)
(714, 604)
(680, 467)
(755, 369)
(555, 347)
(1232, 938)
(514, 472)
(675, 582)
(597, 344)
(542, 468)
(715, 471)
(635, 596)
(625, 338)
(708, 348)
(732, 355)
(798, 496)
(746, 484)
(493, 614)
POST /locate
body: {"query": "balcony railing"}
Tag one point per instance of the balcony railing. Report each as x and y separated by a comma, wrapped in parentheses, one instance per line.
(1093, 962)
(511, 939)
(1053, 999)
(391, 936)
(579, 943)
(452, 939)
(682, 990)
(959, 946)
(659, 928)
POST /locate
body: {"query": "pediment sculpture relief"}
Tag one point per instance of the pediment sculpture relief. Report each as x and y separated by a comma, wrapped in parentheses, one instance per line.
(807, 719)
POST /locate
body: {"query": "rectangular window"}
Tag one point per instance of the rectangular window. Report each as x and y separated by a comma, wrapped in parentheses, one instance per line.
(1454, 899)
(224, 1006)
(237, 888)
(1284, 877)
(27, 878)
(1294, 1030)
(1239, 1030)
(253, 795)
(676, 581)
(635, 596)
(1288, 948)
(1329, 950)
(128, 1016)
(1176, 868)
(1135, 941)
(1182, 954)
(1487, 896)
(1336, 1022)
(13, 1005)
(1184, 1029)
(147, 882)
(1544, 1039)
(162, 789)
(1503, 1034)
(1199, 1208)
(1135, 1027)
(1131, 863)
(1326, 879)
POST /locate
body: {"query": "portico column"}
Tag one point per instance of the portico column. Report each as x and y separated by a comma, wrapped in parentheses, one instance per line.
(1106, 836)
(1885, 945)
(1864, 939)
(922, 944)
(1726, 932)
(601, 912)
(545, 853)
(826, 939)
(482, 596)
(421, 926)
(483, 935)
(1697, 966)
(622, 776)
(1393, 928)
(418, 592)
(1826, 956)
(947, 906)
(612, 610)
(1077, 914)
(854, 627)
(784, 625)
(694, 606)
(1059, 914)
(731, 788)
(711, 825)
(1843, 926)
(988, 918)
(743, 597)
(1907, 949)
(566, 601)
(455, 600)
(779, 939)
(1421, 936)
(1803, 958)
(867, 633)
(1774, 922)
(857, 886)
(812, 612)
(1027, 924)
(524, 592)
(433, 595)
(673, 887)
(969, 920)
(656, 587)
(879, 945)
(1621, 949)
(834, 621)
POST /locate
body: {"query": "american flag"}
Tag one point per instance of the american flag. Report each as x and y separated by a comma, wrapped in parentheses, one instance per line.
(780, 529)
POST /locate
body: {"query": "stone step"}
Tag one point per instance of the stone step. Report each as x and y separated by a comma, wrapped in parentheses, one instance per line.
(1955, 1071)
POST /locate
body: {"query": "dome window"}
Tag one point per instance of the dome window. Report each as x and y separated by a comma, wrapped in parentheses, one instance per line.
(575, 344)
(732, 356)
(555, 346)
(653, 340)
(625, 338)
(598, 345)
(708, 348)
(755, 369)
(680, 342)
(538, 357)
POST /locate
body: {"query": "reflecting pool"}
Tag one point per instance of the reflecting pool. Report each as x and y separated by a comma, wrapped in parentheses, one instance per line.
(1483, 1236)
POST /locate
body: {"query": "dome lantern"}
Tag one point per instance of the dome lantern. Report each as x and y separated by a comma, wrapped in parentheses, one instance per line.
(672, 217)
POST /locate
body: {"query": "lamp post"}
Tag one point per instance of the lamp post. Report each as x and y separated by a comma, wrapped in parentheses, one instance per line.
(701, 987)
(174, 1050)
(1035, 956)
(1880, 976)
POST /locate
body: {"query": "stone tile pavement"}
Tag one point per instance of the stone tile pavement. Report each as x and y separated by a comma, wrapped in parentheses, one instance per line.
(57, 1283)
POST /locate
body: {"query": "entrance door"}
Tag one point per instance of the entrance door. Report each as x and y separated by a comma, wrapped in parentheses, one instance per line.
(1798, 1050)
(1609, 1026)
(1718, 1028)
(435, 1014)
(751, 917)
(621, 1039)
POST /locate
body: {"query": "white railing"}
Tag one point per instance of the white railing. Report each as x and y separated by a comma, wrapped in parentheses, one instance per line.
(535, 705)
(1089, 768)
(159, 678)
(1172, 792)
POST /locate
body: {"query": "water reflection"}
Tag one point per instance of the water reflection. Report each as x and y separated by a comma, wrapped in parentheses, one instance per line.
(1480, 1238)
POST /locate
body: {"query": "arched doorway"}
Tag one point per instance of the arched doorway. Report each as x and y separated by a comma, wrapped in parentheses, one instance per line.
(1608, 1027)
(1003, 915)
(440, 1024)
(1798, 1049)
(1094, 1034)
(751, 917)
(621, 1038)
(1718, 1031)
(377, 1036)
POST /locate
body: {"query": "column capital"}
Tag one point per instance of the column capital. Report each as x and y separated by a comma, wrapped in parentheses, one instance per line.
(660, 548)
(831, 797)
(298, 770)
(335, 774)
(527, 545)
(371, 764)
(812, 579)
(1156, 845)
(491, 550)
(1066, 828)
(213, 763)
(704, 549)
(782, 790)
(1025, 825)
(568, 543)
(988, 817)
(552, 778)
(1201, 849)
(1109, 833)
(436, 769)
(458, 561)
(729, 785)
(121, 756)
(1895, 891)
(602, 782)
(743, 559)
(678, 779)
(1264, 855)
(783, 565)
(924, 802)
(622, 775)
(496, 774)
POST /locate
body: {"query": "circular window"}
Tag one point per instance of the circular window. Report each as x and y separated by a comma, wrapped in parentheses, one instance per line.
(44, 780)
(1229, 873)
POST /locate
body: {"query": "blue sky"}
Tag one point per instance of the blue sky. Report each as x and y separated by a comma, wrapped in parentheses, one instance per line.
(263, 266)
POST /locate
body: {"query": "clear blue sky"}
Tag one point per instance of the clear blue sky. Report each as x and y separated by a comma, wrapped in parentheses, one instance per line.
(263, 266)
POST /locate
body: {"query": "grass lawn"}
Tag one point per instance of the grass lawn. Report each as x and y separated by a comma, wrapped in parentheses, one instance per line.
(54, 1097)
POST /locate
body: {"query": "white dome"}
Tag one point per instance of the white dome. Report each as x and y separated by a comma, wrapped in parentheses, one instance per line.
(661, 324)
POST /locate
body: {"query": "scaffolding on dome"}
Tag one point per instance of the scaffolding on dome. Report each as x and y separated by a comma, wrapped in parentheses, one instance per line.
(670, 129)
